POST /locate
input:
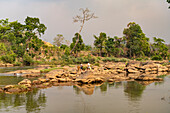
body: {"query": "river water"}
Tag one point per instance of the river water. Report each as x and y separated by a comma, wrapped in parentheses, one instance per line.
(118, 97)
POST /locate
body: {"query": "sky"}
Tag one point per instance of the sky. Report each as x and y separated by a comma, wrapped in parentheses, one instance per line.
(113, 16)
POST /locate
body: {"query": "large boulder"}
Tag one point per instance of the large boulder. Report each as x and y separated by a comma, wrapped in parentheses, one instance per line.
(9, 87)
(25, 81)
(148, 78)
(43, 80)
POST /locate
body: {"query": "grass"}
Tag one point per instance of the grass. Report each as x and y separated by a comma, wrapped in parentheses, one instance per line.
(48, 70)
(113, 59)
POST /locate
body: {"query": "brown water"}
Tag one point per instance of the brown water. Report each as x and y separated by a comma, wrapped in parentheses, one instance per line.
(121, 97)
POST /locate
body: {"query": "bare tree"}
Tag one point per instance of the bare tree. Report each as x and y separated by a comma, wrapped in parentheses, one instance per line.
(86, 15)
(58, 40)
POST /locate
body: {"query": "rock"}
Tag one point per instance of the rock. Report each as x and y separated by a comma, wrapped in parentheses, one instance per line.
(27, 85)
(14, 90)
(25, 81)
(36, 82)
(9, 65)
(110, 80)
(54, 80)
(148, 78)
(74, 71)
(83, 81)
(43, 80)
(132, 70)
(8, 87)
(109, 66)
(135, 64)
(30, 75)
(99, 80)
(121, 71)
(51, 77)
(62, 80)
(1, 90)
(148, 69)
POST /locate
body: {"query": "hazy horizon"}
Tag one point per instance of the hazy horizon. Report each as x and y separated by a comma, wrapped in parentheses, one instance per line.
(113, 16)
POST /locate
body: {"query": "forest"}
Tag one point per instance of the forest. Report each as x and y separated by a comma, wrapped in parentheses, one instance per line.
(20, 44)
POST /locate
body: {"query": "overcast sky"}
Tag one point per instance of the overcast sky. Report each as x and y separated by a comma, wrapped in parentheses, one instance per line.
(113, 16)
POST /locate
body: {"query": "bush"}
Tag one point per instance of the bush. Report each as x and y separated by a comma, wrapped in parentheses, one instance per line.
(17, 64)
(139, 59)
(27, 60)
(156, 57)
(113, 59)
(8, 58)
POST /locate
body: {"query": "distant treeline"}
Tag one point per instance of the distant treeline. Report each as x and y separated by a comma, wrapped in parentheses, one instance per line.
(20, 44)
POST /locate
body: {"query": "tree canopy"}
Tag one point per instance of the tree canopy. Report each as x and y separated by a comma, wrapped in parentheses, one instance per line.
(100, 41)
(136, 41)
(18, 37)
(80, 45)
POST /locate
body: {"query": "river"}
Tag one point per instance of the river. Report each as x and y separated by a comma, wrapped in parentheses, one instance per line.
(118, 97)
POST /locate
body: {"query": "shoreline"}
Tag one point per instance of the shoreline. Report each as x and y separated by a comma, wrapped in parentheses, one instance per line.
(106, 72)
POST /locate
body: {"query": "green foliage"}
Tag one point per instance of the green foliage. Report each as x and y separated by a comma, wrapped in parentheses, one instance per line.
(80, 45)
(113, 59)
(156, 57)
(110, 46)
(16, 37)
(100, 41)
(27, 60)
(9, 58)
(139, 59)
(63, 46)
(17, 64)
(160, 48)
(48, 70)
(136, 41)
(87, 47)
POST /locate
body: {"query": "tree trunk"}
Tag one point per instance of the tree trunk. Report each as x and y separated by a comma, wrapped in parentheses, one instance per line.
(77, 38)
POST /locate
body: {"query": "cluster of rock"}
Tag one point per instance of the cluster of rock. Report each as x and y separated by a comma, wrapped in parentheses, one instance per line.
(6, 65)
(110, 71)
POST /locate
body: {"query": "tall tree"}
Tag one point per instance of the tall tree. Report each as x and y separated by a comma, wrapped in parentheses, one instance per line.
(160, 48)
(80, 45)
(136, 41)
(86, 16)
(18, 36)
(110, 46)
(100, 41)
(58, 40)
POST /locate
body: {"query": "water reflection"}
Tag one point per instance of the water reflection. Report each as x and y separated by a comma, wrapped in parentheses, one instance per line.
(133, 90)
(32, 101)
(88, 89)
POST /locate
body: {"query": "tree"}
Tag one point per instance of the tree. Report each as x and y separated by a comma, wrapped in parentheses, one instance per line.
(82, 19)
(110, 46)
(100, 41)
(160, 48)
(58, 40)
(168, 2)
(17, 37)
(80, 45)
(136, 41)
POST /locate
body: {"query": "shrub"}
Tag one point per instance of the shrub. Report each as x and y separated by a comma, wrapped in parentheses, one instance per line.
(156, 57)
(139, 59)
(27, 60)
(17, 64)
(8, 58)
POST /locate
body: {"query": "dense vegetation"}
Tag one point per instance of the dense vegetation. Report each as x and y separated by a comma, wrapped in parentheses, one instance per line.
(20, 45)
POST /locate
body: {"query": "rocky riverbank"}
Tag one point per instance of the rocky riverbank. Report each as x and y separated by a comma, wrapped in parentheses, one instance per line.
(106, 72)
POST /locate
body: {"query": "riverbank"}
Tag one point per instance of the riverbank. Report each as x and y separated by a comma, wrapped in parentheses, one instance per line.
(106, 72)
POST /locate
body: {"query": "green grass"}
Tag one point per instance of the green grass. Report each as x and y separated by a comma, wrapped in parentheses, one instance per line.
(48, 70)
